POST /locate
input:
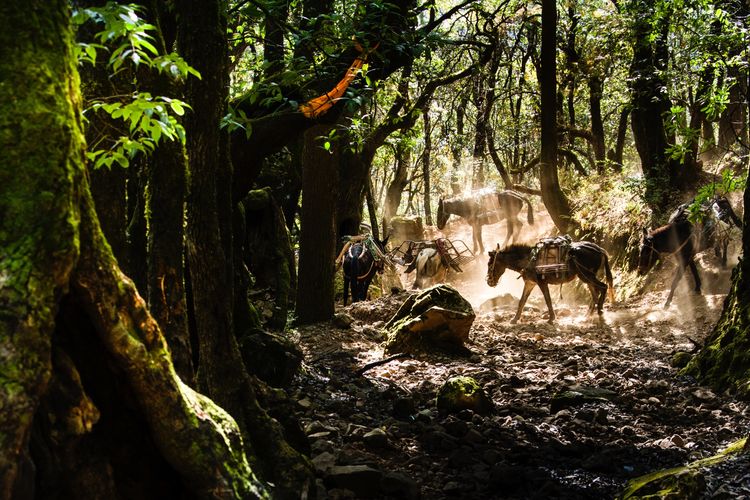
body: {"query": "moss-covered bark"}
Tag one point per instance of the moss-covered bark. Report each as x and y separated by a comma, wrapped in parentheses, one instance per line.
(268, 251)
(51, 243)
(198, 438)
(41, 142)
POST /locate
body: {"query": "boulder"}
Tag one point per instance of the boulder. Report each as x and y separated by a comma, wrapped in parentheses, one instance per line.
(405, 228)
(463, 393)
(438, 317)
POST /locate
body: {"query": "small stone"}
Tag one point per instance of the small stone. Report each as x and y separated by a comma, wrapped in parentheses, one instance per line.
(319, 435)
(654, 401)
(304, 403)
(424, 416)
(323, 462)
(452, 487)
(457, 428)
(363, 480)
(342, 320)
(474, 436)
(404, 407)
(376, 438)
(321, 446)
(677, 441)
(399, 485)
(704, 394)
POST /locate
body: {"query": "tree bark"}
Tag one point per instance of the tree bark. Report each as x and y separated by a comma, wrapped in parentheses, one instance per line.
(315, 291)
(45, 192)
(396, 187)
(426, 165)
(596, 86)
(552, 195)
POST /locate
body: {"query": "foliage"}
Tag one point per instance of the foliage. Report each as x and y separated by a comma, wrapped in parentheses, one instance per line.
(728, 183)
(147, 119)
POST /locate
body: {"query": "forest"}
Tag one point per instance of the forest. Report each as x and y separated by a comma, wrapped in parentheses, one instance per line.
(312, 249)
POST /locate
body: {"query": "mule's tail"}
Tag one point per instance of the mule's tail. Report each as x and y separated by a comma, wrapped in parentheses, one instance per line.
(530, 214)
(608, 275)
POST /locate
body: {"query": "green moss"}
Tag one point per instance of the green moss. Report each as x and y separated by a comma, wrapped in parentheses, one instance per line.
(460, 393)
(724, 361)
(679, 482)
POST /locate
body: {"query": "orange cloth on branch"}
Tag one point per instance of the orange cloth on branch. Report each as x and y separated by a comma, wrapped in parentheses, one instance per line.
(319, 105)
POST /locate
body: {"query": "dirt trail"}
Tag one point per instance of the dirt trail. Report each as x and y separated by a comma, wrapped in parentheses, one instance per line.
(387, 420)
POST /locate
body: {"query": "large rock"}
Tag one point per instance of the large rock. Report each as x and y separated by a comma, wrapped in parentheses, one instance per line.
(436, 317)
(404, 228)
(463, 393)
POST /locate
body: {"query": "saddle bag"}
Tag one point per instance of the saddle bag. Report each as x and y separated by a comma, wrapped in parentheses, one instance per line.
(488, 210)
(550, 257)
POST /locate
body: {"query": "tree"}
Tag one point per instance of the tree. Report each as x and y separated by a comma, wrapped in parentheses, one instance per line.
(56, 263)
(552, 194)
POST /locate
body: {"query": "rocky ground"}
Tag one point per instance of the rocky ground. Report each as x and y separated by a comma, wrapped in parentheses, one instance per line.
(379, 434)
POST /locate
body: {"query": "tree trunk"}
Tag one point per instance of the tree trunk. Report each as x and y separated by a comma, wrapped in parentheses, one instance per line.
(137, 240)
(733, 120)
(596, 86)
(649, 105)
(353, 170)
(426, 165)
(552, 195)
(396, 187)
(212, 282)
(108, 187)
(166, 241)
(622, 130)
(317, 242)
(44, 235)
(372, 209)
(202, 27)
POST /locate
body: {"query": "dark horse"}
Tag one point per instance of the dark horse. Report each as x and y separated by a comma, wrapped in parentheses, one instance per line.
(360, 266)
(715, 225)
(677, 239)
(584, 261)
(489, 208)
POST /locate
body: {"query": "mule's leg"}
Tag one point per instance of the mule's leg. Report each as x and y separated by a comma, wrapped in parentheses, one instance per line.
(346, 289)
(696, 277)
(677, 277)
(594, 297)
(478, 235)
(514, 229)
(528, 286)
(548, 299)
(597, 288)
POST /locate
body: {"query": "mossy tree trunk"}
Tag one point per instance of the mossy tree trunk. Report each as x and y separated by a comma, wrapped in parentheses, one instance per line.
(724, 360)
(53, 249)
(221, 371)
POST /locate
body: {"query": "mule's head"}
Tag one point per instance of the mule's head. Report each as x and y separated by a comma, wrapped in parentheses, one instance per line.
(495, 267)
(442, 215)
(648, 255)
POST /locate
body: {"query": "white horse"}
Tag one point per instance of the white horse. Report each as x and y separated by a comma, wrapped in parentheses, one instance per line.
(430, 268)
